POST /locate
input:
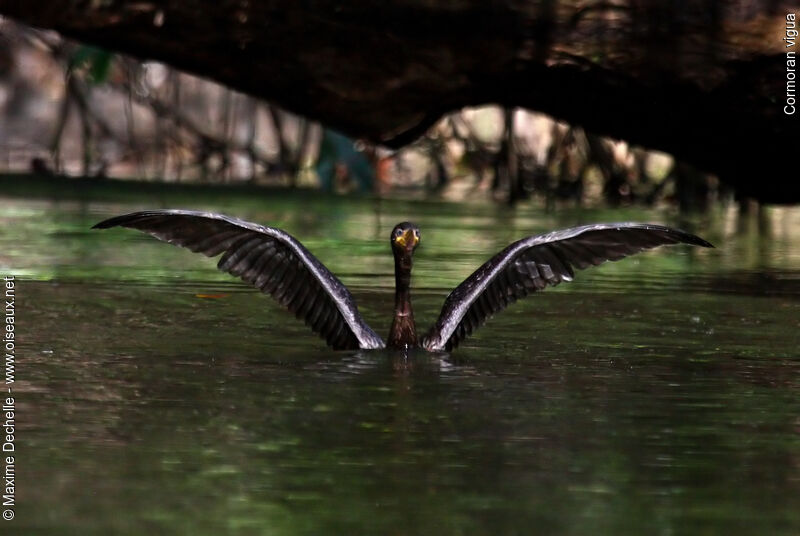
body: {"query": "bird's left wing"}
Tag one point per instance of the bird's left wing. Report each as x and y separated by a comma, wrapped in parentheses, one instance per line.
(535, 262)
(270, 260)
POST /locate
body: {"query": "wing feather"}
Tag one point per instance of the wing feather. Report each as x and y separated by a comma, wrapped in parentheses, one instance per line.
(270, 260)
(535, 262)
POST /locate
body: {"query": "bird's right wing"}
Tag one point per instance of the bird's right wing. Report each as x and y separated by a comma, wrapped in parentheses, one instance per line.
(535, 262)
(270, 260)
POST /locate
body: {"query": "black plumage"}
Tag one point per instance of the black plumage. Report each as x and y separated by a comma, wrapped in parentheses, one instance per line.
(268, 259)
(535, 262)
(277, 264)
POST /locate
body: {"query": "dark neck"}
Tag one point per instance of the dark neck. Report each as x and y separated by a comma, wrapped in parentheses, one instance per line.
(403, 333)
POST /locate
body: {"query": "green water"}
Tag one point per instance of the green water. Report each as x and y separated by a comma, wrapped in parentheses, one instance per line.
(659, 395)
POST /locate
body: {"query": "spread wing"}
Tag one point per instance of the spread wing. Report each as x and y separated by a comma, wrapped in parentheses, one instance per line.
(270, 260)
(535, 262)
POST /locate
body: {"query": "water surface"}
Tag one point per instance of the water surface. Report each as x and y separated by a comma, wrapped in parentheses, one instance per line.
(656, 395)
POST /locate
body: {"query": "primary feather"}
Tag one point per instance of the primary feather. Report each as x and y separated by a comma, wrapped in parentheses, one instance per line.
(535, 262)
(270, 260)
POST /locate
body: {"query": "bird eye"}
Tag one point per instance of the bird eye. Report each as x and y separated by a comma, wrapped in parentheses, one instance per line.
(398, 232)
(416, 233)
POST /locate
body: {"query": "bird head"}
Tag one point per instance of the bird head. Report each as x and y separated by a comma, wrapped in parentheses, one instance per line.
(405, 238)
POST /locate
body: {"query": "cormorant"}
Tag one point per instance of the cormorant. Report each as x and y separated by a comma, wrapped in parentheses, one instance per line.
(277, 264)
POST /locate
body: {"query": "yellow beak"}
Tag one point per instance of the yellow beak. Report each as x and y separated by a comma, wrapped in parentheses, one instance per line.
(407, 237)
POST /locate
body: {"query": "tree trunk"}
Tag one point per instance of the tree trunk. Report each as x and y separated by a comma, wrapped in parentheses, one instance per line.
(705, 81)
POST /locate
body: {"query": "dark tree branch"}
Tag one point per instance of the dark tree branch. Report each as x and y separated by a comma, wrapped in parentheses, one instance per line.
(705, 81)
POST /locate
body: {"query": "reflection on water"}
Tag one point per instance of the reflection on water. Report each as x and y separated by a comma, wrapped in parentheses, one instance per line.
(658, 395)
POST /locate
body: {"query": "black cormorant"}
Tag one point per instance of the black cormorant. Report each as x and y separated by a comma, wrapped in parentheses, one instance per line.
(277, 264)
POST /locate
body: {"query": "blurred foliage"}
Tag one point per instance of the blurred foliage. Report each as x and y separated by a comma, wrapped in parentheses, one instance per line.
(95, 61)
(80, 110)
(340, 162)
